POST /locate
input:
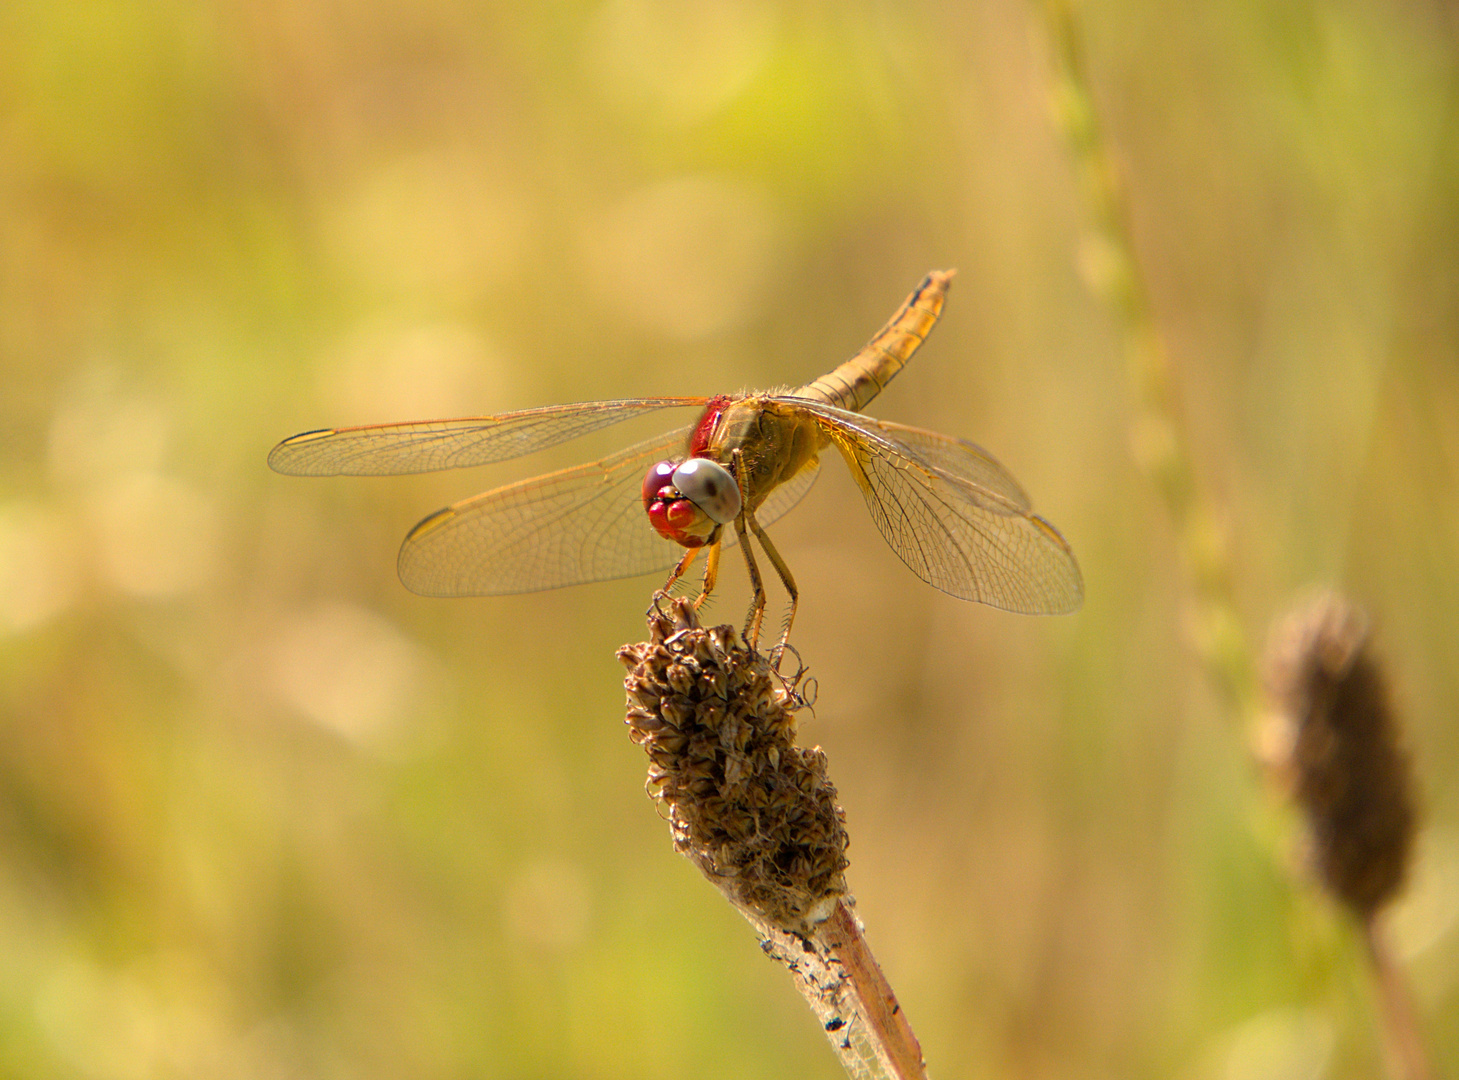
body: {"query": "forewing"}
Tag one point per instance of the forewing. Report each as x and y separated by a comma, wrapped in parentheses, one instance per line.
(565, 528)
(955, 516)
(431, 445)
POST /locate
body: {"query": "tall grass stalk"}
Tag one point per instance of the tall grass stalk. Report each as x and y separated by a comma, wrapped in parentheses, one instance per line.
(1361, 840)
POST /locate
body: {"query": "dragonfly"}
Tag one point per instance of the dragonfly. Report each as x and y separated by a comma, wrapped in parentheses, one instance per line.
(955, 516)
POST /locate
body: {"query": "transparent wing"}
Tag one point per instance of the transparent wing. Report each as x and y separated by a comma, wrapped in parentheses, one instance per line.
(430, 445)
(565, 528)
(780, 501)
(956, 457)
(954, 515)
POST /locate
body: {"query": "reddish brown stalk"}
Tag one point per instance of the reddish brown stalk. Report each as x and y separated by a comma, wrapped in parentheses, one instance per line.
(837, 974)
(1403, 1043)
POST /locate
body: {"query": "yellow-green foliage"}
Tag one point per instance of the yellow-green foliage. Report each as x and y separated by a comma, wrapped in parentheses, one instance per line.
(263, 813)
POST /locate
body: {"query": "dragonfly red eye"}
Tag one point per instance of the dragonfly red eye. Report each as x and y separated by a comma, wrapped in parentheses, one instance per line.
(659, 477)
(673, 516)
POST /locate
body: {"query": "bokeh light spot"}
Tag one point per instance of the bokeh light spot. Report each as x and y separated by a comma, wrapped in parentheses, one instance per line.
(347, 669)
(39, 575)
(157, 536)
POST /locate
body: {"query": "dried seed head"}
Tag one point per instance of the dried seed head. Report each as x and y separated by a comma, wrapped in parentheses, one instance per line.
(1338, 750)
(756, 813)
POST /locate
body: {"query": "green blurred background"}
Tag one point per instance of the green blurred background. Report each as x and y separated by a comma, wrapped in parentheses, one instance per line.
(263, 813)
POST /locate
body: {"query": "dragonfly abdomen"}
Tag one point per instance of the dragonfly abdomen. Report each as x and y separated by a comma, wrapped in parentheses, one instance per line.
(853, 384)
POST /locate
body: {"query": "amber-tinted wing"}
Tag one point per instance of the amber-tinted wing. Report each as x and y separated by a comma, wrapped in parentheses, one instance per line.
(958, 457)
(564, 528)
(954, 515)
(430, 445)
(779, 501)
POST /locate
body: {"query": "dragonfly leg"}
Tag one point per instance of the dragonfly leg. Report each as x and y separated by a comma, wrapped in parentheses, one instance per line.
(757, 602)
(786, 579)
(680, 569)
(711, 571)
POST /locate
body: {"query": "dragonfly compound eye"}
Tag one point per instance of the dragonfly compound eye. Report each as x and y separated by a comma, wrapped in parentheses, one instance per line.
(673, 515)
(659, 478)
(709, 486)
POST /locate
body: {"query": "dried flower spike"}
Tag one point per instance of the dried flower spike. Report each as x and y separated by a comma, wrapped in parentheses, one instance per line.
(754, 811)
(1339, 752)
(757, 814)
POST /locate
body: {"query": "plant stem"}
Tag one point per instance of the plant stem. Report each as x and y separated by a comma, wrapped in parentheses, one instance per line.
(1397, 1019)
(837, 974)
(1158, 431)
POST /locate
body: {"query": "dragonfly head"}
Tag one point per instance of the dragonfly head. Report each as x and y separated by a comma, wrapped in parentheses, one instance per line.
(687, 501)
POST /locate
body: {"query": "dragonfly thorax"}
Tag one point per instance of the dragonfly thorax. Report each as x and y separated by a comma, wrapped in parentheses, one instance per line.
(687, 501)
